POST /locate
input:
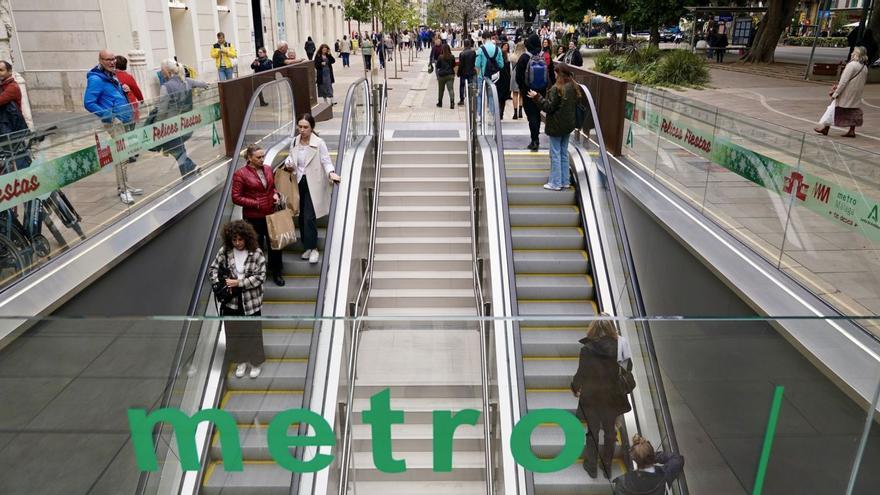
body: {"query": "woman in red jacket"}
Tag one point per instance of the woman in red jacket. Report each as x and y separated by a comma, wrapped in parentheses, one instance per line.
(253, 188)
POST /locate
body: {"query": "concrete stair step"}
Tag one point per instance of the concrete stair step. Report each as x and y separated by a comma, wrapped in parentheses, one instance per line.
(463, 298)
(545, 216)
(416, 245)
(423, 261)
(277, 374)
(424, 198)
(419, 410)
(258, 478)
(427, 228)
(401, 279)
(551, 372)
(392, 184)
(547, 238)
(420, 487)
(250, 405)
(554, 286)
(424, 156)
(424, 213)
(420, 317)
(419, 438)
(424, 145)
(425, 169)
(466, 466)
(547, 261)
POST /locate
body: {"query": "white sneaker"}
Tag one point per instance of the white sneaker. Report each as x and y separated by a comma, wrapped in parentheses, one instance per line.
(240, 369)
(306, 254)
(551, 187)
(125, 197)
(313, 257)
(135, 191)
(255, 371)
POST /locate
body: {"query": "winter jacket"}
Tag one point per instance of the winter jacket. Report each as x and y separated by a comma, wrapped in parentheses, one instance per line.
(223, 59)
(261, 64)
(445, 67)
(559, 107)
(486, 51)
(668, 467)
(597, 378)
(257, 201)
(467, 63)
(104, 97)
(11, 93)
(251, 284)
(851, 85)
(574, 57)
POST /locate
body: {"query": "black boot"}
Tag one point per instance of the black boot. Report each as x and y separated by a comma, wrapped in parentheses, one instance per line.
(439, 104)
(452, 104)
(515, 114)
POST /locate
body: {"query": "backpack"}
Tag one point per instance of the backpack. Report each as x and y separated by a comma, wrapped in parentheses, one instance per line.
(491, 71)
(536, 72)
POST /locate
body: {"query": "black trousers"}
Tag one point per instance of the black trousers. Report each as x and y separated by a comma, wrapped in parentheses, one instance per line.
(598, 419)
(308, 223)
(463, 82)
(719, 55)
(533, 114)
(274, 255)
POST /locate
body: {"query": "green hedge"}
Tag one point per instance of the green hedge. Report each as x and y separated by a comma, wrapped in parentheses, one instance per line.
(822, 42)
(655, 67)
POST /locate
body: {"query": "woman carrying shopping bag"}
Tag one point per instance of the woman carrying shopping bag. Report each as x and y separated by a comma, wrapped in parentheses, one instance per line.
(315, 175)
(846, 96)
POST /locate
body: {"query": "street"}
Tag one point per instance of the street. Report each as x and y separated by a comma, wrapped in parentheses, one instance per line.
(801, 54)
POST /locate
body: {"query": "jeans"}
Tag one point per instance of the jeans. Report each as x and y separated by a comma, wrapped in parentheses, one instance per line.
(463, 82)
(184, 163)
(368, 62)
(224, 73)
(345, 60)
(445, 81)
(559, 173)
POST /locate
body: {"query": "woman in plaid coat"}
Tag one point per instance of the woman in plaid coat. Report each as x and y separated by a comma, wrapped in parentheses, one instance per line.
(241, 261)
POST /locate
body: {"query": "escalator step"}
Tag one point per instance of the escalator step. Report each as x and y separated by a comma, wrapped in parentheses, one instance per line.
(550, 261)
(248, 406)
(287, 342)
(547, 238)
(554, 286)
(558, 307)
(258, 478)
(531, 195)
(277, 374)
(545, 216)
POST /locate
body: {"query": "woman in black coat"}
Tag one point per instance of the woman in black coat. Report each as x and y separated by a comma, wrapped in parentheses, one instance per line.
(310, 48)
(261, 64)
(600, 399)
(503, 84)
(324, 73)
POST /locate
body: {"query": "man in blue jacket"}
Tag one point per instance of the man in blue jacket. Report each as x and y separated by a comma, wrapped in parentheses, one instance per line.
(106, 97)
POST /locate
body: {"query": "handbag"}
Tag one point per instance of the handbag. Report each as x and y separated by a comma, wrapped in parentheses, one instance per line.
(430, 68)
(222, 293)
(626, 382)
(281, 230)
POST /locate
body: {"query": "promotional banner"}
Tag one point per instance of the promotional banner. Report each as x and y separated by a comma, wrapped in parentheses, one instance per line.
(819, 195)
(43, 177)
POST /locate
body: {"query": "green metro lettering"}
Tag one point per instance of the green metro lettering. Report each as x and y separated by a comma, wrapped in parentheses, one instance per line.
(521, 444)
(279, 441)
(184, 428)
(381, 417)
(445, 423)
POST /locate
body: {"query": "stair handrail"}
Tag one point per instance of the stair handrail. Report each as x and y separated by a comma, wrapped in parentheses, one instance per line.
(363, 294)
(635, 288)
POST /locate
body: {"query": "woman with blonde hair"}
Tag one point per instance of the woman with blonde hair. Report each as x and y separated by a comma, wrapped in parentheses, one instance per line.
(514, 87)
(654, 470)
(600, 398)
(847, 96)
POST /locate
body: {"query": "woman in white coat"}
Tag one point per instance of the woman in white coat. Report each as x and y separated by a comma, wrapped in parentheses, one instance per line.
(847, 95)
(315, 175)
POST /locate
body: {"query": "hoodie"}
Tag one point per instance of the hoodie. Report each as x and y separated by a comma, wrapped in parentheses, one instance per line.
(639, 482)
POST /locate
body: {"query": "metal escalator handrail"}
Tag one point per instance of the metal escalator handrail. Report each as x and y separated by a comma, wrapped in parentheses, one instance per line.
(361, 299)
(342, 148)
(656, 382)
(478, 293)
(207, 257)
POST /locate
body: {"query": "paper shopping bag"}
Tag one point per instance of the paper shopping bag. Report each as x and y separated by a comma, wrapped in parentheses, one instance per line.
(281, 230)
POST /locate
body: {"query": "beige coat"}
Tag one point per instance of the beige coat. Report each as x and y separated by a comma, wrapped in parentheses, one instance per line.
(852, 83)
(316, 173)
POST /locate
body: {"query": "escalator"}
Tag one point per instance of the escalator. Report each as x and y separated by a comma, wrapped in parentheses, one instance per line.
(561, 265)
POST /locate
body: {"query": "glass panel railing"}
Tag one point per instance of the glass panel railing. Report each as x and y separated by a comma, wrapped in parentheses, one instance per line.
(753, 410)
(66, 181)
(805, 203)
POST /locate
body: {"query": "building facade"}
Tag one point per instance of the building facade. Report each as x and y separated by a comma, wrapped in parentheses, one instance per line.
(53, 44)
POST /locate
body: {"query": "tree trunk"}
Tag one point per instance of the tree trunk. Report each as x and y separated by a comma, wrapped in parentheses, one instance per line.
(874, 22)
(777, 18)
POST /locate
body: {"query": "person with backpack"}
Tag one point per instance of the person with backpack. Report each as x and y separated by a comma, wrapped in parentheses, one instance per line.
(533, 74)
(654, 470)
(490, 63)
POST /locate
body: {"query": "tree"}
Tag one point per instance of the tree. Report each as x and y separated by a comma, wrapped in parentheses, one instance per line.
(570, 11)
(529, 8)
(653, 14)
(770, 29)
(358, 10)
